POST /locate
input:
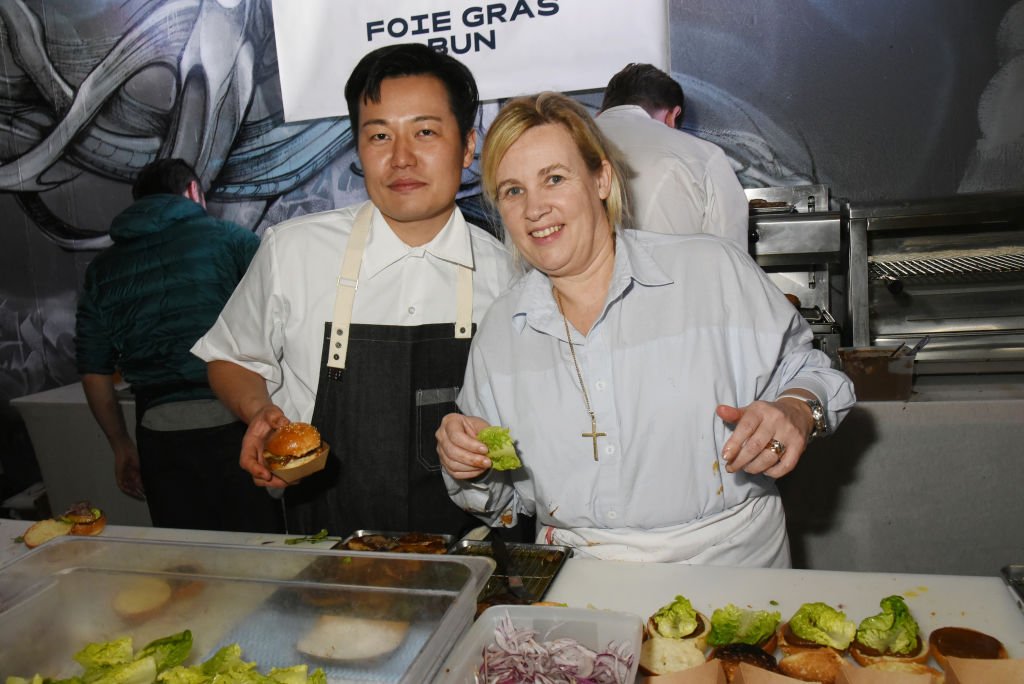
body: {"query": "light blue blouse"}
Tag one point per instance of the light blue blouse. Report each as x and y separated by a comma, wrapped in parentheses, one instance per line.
(689, 322)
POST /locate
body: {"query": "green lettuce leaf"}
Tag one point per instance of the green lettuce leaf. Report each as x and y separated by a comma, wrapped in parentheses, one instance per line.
(141, 671)
(500, 448)
(893, 631)
(675, 620)
(735, 625)
(105, 654)
(823, 624)
(169, 651)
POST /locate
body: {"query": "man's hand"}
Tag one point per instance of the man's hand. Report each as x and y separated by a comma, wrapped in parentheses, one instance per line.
(126, 470)
(261, 424)
(787, 421)
(462, 454)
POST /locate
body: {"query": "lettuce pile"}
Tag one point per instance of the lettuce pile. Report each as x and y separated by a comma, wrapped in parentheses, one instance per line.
(115, 662)
(735, 625)
(893, 631)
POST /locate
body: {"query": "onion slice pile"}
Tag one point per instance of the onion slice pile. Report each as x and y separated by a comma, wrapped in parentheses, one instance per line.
(516, 656)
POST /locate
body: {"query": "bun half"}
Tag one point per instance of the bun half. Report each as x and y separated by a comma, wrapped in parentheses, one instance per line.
(863, 657)
(961, 642)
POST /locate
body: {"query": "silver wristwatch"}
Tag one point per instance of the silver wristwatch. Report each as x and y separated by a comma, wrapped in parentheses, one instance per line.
(817, 414)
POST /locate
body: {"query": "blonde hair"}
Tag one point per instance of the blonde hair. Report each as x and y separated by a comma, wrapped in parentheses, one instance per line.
(523, 113)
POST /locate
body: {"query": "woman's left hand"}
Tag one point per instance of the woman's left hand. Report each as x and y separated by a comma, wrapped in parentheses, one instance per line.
(769, 437)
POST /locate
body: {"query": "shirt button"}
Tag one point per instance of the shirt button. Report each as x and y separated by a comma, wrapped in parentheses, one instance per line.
(412, 310)
(609, 449)
(599, 385)
(612, 515)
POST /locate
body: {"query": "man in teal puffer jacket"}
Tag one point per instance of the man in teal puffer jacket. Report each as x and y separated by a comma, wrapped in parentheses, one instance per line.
(145, 302)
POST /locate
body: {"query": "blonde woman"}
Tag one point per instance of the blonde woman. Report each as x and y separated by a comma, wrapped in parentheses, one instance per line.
(656, 385)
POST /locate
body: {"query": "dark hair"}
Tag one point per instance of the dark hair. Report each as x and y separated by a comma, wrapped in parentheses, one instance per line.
(646, 86)
(413, 59)
(164, 176)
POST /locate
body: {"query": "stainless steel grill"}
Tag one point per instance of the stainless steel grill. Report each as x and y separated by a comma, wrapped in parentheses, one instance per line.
(954, 267)
(949, 268)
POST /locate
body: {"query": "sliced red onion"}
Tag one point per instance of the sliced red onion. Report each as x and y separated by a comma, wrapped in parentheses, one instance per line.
(516, 657)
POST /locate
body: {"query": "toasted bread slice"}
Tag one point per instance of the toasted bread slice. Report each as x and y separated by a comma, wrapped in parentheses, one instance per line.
(45, 530)
(813, 665)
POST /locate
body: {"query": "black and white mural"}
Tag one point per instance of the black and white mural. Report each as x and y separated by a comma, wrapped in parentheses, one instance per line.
(877, 100)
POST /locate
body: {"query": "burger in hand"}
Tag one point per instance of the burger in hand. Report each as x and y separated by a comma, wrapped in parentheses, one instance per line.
(295, 451)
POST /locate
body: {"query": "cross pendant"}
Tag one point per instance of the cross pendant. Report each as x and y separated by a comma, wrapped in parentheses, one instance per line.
(594, 434)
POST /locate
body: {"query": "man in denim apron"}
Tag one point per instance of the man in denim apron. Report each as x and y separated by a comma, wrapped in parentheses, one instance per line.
(359, 320)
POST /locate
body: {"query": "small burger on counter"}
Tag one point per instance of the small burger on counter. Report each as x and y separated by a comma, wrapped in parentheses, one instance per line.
(295, 451)
(890, 635)
(814, 641)
(81, 519)
(674, 638)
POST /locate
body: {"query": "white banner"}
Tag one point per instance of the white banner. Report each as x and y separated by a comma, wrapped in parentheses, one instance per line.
(513, 47)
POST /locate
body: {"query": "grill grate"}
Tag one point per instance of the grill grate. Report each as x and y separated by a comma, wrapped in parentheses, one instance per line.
(952, 266)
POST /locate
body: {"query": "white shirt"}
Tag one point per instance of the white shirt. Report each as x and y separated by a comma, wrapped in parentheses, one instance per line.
(273, 324)
(683, 184)
(689, 322)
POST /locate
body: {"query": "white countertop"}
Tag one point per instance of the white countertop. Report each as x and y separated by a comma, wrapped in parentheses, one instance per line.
(982, 603)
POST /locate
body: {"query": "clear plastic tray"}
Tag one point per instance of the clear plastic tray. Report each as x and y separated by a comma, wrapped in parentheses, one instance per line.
(65, 594)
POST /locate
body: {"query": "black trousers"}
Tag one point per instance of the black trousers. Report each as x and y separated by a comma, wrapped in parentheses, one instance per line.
(193, 481)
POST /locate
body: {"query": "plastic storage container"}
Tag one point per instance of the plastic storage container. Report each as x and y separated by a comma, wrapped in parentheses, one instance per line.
(595, 629)
(74, 591)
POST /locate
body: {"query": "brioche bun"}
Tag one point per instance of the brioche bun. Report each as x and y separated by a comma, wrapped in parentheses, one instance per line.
(960, 642)
(339, 638)
(295, 451)
(732, 655)
(865, 656)
(45, 530)
(908, 668)
(813, 665)
(142, 599)
(699, 637)
(89, 528)
(663, 655)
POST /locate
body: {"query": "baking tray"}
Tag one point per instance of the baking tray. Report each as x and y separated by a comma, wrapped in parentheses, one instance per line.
(441, 545)
(537, 564)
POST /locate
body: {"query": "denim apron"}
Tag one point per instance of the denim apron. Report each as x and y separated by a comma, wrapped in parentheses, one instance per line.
(382, 392)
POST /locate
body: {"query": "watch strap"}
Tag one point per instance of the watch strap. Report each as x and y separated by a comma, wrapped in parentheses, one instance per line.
(817, 412)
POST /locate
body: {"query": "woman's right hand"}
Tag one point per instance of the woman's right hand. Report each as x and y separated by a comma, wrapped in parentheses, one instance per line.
(262, 423)
(462, 454)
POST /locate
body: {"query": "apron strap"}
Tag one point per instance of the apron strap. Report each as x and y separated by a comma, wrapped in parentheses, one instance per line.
(348, 283)
(464, 304)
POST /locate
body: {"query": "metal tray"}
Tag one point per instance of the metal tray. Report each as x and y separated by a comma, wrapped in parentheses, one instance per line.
(443, 541)
(537, 564)
(1013, 575)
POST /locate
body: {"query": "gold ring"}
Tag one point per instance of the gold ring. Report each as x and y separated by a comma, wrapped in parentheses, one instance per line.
(777, 447)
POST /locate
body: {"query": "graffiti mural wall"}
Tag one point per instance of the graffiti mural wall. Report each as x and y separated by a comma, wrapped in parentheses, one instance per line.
(877, 100)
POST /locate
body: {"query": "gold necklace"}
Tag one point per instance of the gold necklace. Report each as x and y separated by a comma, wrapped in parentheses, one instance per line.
(593, 434)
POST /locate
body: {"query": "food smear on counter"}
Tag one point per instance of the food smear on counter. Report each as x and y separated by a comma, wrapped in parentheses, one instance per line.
(516, 656)
(116, 662)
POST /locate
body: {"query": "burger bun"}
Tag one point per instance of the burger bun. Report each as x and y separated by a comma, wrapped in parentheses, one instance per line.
(865, 659)
(302, 449)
